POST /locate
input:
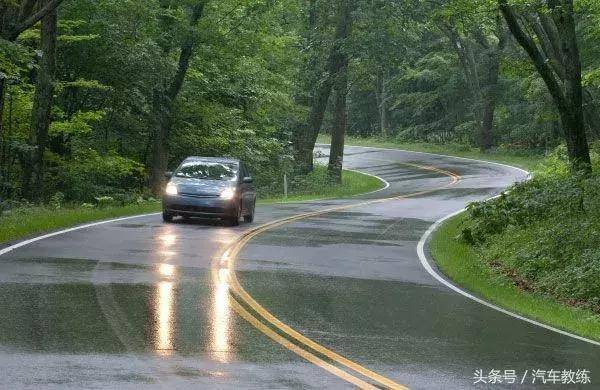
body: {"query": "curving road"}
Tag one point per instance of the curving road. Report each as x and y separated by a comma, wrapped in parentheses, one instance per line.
(318, 294)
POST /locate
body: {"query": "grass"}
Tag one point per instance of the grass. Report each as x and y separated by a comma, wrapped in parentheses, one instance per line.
(318, 187)
(30, 221)
(463, 264)
(521, 160)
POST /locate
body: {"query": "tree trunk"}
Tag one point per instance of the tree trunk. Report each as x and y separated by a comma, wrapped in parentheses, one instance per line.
(567, 92)
(162, 104)
(159, 159)
(338, 132)
(382, 98)
(42, 105)
(486, 136)
(573, 91)
(490, 92)
(307, 137)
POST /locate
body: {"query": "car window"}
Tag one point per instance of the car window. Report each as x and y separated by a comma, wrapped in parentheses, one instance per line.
(205, 170)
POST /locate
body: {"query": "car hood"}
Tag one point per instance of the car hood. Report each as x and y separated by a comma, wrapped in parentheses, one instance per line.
(201, 187)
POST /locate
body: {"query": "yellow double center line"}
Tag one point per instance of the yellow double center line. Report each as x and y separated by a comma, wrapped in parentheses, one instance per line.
(295, 341)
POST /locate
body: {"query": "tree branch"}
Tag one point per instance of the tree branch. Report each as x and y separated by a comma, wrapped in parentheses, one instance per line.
(31, 20)
(534, 52)
(547, 45)
(187, 50)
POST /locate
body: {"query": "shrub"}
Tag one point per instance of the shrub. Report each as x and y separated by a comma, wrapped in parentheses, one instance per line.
(57, 200)
(105, 201)
(89, 175)
(545, 232)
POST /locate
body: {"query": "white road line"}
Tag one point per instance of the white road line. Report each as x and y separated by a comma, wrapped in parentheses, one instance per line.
(427, 265)
(445, 155)
(32, 240)
(385, 182)
(420, 246)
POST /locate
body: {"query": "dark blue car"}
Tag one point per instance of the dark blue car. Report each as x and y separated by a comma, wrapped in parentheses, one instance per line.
(210, 187)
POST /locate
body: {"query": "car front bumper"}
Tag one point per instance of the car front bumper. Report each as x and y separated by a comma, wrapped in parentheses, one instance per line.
(199, 207)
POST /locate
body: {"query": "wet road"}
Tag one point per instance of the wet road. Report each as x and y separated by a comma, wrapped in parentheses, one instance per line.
(138, 303)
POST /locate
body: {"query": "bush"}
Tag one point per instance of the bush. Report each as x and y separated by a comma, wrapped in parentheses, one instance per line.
(545, 233)
(57, 200)
(89, 175)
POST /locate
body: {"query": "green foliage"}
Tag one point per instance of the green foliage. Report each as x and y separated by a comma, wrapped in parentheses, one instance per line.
(105, 201)
(250, 82)
(79, 123)
(28, 220)
(90, 175)
(545, 232)
(464, 264)
(57, 200)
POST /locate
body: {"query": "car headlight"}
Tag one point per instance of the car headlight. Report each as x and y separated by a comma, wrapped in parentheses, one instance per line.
(228, 193)
(171, 189)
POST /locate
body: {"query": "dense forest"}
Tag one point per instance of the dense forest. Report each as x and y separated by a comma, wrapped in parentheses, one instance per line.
(101, 97)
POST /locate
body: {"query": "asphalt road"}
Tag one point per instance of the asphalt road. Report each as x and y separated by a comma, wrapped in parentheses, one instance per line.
(138, 303)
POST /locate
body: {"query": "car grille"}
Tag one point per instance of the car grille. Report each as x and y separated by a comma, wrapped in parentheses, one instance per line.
(198, 209)
(199, 195)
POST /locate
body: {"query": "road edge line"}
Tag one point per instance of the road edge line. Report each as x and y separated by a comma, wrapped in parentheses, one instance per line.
(426, 263)
(20, 244)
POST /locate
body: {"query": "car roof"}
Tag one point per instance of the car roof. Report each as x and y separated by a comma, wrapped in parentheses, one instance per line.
(212, 159)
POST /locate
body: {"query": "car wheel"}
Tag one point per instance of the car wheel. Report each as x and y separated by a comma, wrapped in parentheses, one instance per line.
(250, 217)
(167, 217)
(235, 221)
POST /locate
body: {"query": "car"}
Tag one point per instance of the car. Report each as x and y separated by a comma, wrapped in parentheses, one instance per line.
(210, 187)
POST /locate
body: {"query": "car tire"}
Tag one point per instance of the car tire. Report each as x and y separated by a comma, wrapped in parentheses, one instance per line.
(250, 217)
(167, 217)
(234, 221)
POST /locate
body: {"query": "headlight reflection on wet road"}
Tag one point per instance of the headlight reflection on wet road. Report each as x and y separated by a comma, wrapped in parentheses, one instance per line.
(165, 300)
(221, 318)
(164, 342)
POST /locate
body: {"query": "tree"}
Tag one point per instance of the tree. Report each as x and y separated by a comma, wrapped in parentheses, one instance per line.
(18, 16)
(42, 104)
(553, 48)
(15, 18)
(480, 58)
(162, 104)
(306, 136)
(340, 85)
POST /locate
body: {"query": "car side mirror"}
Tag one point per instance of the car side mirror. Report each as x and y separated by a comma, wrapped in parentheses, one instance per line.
(247, 180)
(168, 175)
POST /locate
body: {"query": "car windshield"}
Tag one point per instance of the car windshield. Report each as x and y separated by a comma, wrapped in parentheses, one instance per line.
(205, 170)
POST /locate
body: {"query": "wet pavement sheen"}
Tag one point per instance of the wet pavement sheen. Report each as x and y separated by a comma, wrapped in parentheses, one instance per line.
(133, 304)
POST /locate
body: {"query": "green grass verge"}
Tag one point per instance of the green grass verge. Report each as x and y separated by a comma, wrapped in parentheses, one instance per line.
(29, 221)
(353, 183)
(25, 222)
(521, 160)
(463, 264)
